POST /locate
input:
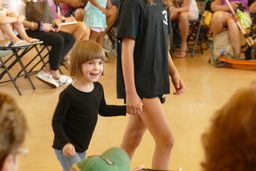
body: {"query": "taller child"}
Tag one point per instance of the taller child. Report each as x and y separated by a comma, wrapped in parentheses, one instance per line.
(143, 68)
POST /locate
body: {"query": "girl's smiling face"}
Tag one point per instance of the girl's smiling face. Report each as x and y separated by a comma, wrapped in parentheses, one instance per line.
(92, 70)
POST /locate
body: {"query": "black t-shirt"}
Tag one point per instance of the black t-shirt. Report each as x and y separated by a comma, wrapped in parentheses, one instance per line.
(150, 27)
(76, 115)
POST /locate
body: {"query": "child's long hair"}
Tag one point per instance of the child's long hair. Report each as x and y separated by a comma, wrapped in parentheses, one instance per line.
(166, 3)
(84, 51)
(230, 143)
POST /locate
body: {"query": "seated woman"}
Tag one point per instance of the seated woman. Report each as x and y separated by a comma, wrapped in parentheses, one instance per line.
(61, 43)
(8, 22)
(222, 20)
(184, 11)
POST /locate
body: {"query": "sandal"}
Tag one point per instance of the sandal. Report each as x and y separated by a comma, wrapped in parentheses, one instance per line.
(20, 43)
(5, 43)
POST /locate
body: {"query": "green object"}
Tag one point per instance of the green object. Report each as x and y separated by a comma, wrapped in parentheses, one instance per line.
(242, 18)
(114, 159)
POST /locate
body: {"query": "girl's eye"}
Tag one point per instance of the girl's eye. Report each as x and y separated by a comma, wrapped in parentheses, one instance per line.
(101, 62)
(90, 63)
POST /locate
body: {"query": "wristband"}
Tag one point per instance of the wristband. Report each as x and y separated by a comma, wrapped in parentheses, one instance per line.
(40, 26)
(32, 26)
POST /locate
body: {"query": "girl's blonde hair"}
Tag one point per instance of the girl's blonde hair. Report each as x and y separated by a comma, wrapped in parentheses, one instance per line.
(84, 51)
(166, 3)
(230, 143)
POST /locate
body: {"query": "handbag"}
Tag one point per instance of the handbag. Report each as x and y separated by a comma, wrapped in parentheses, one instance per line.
(38, 11)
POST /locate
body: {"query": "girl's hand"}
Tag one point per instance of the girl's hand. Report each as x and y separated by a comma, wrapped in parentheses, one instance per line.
(104, 10)
(235, 4)
(20, 19)
(173, 11)
(178, 85)
(48, 27)
(69, 150)
(134, 104)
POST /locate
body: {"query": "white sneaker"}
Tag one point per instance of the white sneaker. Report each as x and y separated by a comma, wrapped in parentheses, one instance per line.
(63, 80)
(47, 79)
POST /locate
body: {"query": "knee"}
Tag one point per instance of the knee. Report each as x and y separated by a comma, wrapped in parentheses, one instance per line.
(166, 142)
(218, 16)
(79, 14)
(183, 18)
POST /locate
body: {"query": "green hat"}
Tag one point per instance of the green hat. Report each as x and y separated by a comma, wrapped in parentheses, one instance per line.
(114, 159)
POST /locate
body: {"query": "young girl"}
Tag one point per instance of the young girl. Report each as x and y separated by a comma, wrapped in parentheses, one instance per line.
(143, 68)
(95, 18)
(77, 111)
(8, 22)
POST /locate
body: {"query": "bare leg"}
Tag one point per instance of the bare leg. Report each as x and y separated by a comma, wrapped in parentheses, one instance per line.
(111, 16)
(154, 119)
(133, 135)
(79, 14)
(218, 22)
(21, 30)
(94, 35)
(184, 19)
(234, 35)
(221, 19)
(80, 30)
(8, 30)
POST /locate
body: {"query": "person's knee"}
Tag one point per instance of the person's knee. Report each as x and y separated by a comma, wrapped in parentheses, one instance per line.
(79, 14)
(112, 11)
(183, 17)
(167, 142)
(218, 16)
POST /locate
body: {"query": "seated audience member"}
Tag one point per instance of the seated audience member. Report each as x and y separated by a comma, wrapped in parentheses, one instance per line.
(222, 20)
(12, 133)
(77, 9)
(184, 11)
(230, 142)
(8, 22)
(61, 43)
(74, 7)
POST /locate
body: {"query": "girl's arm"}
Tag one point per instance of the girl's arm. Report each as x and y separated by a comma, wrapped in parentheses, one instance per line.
(8, 20)
(132, 98)
(176, 80)
(185, 6)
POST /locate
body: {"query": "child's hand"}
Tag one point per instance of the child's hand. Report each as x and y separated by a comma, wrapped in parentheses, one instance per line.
(69, 150)
(178, 85)
(20, 19)
(133, 104)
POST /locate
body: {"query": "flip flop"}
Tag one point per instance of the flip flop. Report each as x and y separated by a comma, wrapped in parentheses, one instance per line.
(33, 40)
(20, 43)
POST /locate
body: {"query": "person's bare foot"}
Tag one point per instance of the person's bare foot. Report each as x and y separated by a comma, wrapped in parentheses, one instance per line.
(181, 54)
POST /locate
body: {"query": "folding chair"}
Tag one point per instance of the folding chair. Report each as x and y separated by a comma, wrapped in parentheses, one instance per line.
(196, 34)
(9, 56)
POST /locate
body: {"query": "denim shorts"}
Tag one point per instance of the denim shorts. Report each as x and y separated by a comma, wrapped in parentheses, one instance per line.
(67, 162)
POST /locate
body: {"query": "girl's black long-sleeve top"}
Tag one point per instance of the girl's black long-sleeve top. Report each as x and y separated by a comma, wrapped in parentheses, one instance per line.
(76, 115)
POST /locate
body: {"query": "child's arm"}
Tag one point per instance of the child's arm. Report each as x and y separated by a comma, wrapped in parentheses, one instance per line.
(132, 98)
(176, 80)
(95, 3)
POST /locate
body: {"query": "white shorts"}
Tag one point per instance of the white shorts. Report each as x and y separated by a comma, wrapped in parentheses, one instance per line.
(97, 29)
